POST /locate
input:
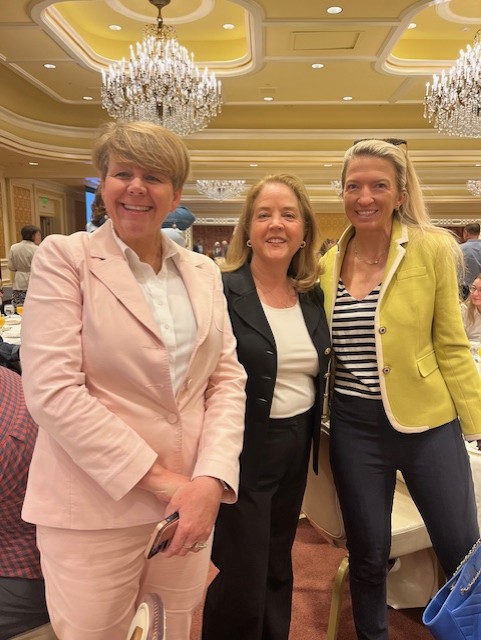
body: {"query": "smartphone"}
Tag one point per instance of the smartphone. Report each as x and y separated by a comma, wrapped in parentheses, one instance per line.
(162, 535)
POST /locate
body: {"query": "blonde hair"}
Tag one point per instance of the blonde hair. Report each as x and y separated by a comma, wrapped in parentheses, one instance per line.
(412, 211)
(304, 267)
(144, 144)
(471, 309)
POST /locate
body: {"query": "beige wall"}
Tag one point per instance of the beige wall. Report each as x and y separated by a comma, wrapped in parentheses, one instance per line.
(49, 206)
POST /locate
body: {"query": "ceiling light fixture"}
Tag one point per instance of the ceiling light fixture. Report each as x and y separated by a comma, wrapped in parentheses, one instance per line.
(334, 10)
(474, 186)
(48, 65)
(317, 65)
(228, 26)
(453, 101)
(221, 189)
(115, 27)
(160, 83)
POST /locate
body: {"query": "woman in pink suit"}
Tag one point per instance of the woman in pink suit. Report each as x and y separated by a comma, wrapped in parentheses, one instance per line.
(130, 370)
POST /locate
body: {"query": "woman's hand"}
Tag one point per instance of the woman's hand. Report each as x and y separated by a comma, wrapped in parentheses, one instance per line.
(197, 503)
(162, 483)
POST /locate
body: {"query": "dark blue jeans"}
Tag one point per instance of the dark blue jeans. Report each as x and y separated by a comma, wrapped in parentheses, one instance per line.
(365, 453)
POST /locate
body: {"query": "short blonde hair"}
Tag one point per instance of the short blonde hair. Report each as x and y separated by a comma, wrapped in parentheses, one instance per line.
(304, 267)
(144, 144)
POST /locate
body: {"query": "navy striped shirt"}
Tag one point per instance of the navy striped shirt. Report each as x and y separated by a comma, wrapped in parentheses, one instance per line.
(354, 344)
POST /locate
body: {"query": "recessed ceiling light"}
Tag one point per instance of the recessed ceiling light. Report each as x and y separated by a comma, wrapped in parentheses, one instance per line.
(50, 66)
(253, 164)
(334, 10)
(87, 98)
(268, 98)
(317, 65)
(347, 98)
(328, 164)
(115, 27)
(478, 164)
(228, 26)
(33, 164)
(413, 25)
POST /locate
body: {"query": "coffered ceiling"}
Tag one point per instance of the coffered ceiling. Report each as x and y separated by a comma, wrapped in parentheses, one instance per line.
(369, 53)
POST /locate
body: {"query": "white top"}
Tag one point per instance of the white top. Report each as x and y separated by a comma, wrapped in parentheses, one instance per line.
(473, 331)
(297, 362)
(19, 260)
(169, 301)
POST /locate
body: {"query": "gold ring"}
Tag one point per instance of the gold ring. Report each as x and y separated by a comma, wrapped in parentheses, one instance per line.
(200, 545)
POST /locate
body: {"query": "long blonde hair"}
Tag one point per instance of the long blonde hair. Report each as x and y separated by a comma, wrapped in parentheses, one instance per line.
(304, 268)
(412, 211)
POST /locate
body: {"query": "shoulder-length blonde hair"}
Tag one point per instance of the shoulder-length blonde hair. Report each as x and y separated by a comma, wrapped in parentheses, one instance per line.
(304, 267)
(470, 306)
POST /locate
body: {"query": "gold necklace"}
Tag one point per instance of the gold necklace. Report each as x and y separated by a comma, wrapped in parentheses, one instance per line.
(370, 262)
(284, 299)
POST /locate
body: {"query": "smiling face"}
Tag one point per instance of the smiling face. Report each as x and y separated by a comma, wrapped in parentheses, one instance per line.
(277, 226)
(370, 193)
(137, 200)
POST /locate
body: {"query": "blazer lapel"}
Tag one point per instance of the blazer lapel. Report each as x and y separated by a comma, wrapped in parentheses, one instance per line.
(245, 302)
(200, 287)
(110, 267)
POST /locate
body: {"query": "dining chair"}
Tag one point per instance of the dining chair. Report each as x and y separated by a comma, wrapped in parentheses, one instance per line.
(148, 622)
(321, 507)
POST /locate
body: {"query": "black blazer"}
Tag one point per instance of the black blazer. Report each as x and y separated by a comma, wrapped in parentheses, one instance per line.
(257, 352)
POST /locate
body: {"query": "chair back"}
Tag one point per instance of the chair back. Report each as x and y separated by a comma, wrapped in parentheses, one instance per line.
(149, 620)
(320, 504)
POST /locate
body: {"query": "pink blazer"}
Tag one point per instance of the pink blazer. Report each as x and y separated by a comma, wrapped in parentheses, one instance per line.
(97, 382)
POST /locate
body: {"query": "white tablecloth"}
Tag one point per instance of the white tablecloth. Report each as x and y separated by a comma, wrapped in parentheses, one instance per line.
(10, 331)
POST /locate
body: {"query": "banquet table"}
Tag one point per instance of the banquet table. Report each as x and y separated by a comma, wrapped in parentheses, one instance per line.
(10, 332)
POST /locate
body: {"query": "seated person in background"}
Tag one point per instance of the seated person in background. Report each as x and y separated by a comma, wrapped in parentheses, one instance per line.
(22, 590)
(99, 213)
(471, 311)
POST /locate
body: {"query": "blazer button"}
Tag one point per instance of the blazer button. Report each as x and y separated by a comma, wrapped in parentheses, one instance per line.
(172, 418)
(386, 369)
(382, 329)
(327, 351)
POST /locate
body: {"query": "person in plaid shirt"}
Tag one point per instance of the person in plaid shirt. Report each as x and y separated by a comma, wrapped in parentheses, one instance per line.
(22, 591)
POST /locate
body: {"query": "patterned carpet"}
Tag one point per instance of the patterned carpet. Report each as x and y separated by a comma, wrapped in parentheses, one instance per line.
(315, 564)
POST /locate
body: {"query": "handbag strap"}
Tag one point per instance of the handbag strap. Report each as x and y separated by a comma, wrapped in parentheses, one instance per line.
(473, 549)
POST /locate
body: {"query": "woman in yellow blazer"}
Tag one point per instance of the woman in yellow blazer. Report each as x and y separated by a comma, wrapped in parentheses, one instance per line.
(130, 371)
(403, 376)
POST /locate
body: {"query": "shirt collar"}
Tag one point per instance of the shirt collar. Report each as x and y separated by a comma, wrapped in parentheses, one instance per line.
(168, 251)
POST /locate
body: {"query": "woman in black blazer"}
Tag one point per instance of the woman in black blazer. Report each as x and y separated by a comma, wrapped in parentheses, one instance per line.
(276, 309)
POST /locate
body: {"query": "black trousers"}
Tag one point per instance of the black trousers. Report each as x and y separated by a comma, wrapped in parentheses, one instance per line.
(250, 599)
(365, 453)
(22, 606)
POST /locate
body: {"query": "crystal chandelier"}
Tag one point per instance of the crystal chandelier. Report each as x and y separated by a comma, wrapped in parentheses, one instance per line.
(160, 83)
(474, 186)
(337, 186)
(221, 189)
(453, 102)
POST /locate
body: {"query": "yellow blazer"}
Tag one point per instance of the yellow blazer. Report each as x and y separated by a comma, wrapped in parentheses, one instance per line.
(426, 372)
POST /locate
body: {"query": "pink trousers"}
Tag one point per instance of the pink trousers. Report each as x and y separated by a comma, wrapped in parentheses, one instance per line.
(94, 581)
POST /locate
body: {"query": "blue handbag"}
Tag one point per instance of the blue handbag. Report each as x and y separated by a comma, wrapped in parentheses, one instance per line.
(455, 611)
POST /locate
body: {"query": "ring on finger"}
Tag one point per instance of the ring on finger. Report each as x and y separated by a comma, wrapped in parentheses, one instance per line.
(200, 545)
